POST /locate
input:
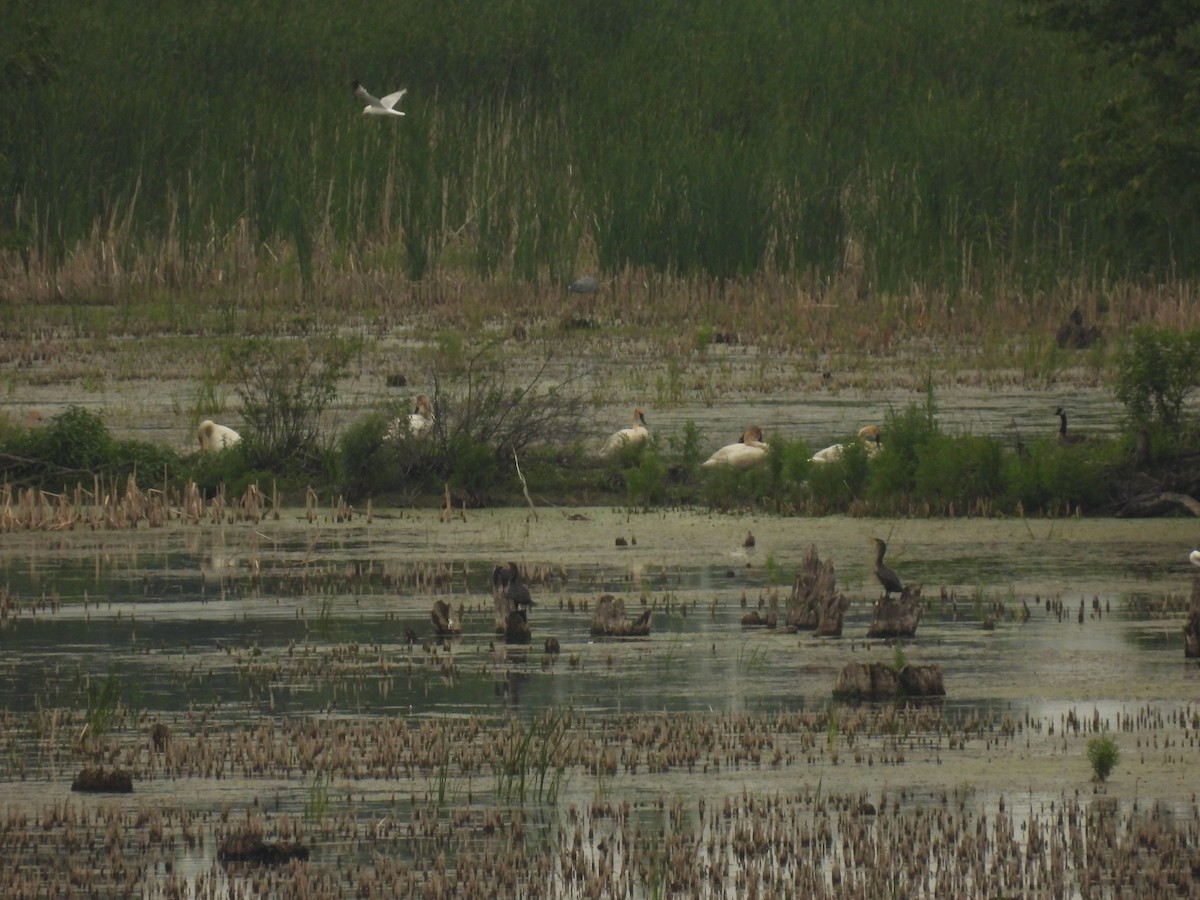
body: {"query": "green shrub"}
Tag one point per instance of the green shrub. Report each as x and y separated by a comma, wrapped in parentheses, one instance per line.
(685, 447)
(75, 443)
(1103, 754)
(1049, 476)
(481, 418)
(473, 466)
(149, 460)
(1158, 368)
(285, 385)
(958, 470)
(894, 473)
(834, 485)
(74, 439)
(647, 481)
(370, 463)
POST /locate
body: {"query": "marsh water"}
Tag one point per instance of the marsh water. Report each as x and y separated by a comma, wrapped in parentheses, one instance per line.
(295, 664)
(219, 627)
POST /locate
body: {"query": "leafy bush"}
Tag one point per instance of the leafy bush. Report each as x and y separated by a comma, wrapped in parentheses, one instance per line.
(958, 470)
(149, 460)
(895, 470)
(1103, 754)
(685, 447)
(284, 386)
(481, 419)
(646, 482)
(369, 463)
(77, 442)
(1157, 370)
(1048, 476)
(836, 484)
(74, 439)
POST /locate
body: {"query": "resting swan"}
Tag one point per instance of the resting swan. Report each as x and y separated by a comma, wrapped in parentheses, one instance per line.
(745, 454)
(869, 435)
(634, 434)
(215, 437)
(418, 423)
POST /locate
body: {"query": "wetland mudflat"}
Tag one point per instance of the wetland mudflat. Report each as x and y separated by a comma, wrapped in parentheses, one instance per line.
(278, 655)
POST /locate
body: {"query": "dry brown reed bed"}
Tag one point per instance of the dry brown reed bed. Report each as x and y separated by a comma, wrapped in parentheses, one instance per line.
(795, 840)
(115, 507)
(235, 285)
(470, 750)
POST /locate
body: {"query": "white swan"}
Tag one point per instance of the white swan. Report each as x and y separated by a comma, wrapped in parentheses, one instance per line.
(745, 454)
(870, 436)
(418, 423)
(634, 434)
(1194, 556)
(376, 106)
(214, 437)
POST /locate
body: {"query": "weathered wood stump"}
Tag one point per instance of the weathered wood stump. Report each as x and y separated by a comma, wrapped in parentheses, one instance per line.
(1191, 631)
(445, 620)
(610, 620)
(516, 628)
(160, 737)
(815, 605)
(878, 681)
(99, 780)
(755, 619)
(897, 616)
(512, 603)
(251, 848)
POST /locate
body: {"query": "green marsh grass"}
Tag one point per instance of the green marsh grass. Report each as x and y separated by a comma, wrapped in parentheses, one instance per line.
(316, 804)
(882, 145)
(533, 761)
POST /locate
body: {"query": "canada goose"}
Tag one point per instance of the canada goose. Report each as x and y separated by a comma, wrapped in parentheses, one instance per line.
(376, 106)
(214, 437)
(745, 454)
(885, 575)
(870, 436)
(417, 424)
(634, 434)
(1065, 437)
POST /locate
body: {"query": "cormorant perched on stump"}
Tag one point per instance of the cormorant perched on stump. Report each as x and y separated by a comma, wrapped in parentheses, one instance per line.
(885, 575)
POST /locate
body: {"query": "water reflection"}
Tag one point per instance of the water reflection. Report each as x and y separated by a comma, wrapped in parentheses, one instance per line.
(211, 628)
(202, 615)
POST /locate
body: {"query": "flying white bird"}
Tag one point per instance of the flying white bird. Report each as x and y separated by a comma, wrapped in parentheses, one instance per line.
(376, 106)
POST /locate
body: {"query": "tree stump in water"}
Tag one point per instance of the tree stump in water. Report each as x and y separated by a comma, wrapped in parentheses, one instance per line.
(610, 619)
(1191, 631)
(99, 780)
(815, 605)
(897, 616)
(877, 681)
(445, 621)
(755, 619)
(251, 848)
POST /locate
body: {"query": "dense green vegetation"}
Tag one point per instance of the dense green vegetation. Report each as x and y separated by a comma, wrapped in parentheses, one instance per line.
(911, 141)
(1138, 161)
(492, 439)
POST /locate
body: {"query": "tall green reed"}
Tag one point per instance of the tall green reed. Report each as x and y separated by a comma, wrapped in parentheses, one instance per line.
(709, 138)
